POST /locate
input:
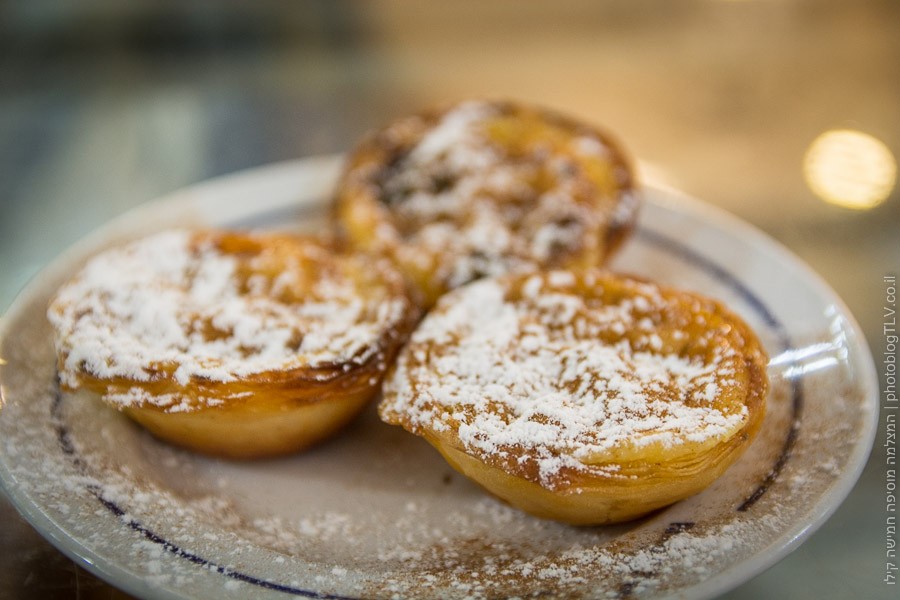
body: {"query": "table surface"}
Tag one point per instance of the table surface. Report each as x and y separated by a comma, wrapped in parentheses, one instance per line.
(103, 107)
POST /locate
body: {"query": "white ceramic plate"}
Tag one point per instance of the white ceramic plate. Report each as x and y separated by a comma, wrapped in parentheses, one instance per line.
(376, 512)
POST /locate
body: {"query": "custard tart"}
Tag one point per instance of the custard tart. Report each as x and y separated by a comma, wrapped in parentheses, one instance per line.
(587, 397)
(485, 188)
(233, 344)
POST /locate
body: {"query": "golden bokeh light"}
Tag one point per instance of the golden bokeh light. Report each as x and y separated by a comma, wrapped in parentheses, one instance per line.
(850, 168)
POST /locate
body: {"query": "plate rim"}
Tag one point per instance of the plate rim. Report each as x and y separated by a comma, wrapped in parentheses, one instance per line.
(200, 194)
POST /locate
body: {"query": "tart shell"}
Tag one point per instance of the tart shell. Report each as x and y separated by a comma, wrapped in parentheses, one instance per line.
(588, 398)
(233, 344)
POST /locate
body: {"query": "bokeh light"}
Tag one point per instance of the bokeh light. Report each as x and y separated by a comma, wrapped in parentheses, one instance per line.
(850, 169)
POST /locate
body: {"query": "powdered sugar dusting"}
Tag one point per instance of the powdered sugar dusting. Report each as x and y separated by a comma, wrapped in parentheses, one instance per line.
(457, 543)
(552, 377)
(678, 551)
(478, 210)
(178, 302)
(414, 551)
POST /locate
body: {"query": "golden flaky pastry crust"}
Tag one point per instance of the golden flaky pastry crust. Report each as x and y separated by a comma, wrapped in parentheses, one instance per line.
(485, 188)
(589, 398)
(233, 344)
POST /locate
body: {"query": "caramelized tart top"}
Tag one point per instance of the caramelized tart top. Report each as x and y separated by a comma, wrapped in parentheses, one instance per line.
(195, 309)
(558, 377)
(485, 188)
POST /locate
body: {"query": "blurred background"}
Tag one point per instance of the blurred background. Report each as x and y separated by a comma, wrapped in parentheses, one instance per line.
(784, 112)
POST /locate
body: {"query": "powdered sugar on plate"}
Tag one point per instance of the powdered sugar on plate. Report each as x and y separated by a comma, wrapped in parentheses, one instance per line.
(475, 547)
